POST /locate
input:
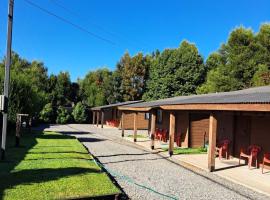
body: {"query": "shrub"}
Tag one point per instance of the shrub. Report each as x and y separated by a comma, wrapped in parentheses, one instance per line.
(79, 113)
(47, 113)
(63, 116)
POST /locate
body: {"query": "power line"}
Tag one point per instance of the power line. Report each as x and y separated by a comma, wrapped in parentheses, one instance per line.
(56, 2)
(77, 15)
(69, 22)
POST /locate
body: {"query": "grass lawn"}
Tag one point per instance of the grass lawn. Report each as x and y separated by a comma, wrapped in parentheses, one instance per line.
(138, 136)
(51, 166)
(177, 151)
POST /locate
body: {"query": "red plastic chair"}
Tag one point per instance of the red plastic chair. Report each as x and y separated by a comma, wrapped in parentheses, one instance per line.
(251, 154)
(177, 139)
(266, 159)
(158, 134)
(223, 147)
(164, 135)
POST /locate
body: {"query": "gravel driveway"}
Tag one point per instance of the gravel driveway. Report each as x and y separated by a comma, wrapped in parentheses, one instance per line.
(143, 175)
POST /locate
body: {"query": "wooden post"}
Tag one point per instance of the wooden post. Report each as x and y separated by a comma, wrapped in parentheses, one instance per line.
(135, 126)
(97, 118)
(94, 117)
(122, 123)
(102, 118)
(212, 142)
(153, 128)
(172, 133)
(18, 129)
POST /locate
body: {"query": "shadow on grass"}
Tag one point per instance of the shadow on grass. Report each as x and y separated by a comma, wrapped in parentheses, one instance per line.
(62, 137)
(40, 175)
(11, 178)
(57, 152)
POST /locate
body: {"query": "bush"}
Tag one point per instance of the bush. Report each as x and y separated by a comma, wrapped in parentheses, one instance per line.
(79, 113)
(63, 116)
(47, 113)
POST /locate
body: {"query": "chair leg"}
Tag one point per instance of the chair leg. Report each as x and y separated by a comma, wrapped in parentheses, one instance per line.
(262, 166)
(249, 162)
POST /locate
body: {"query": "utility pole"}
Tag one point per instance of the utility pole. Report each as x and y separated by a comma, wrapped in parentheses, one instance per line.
(7, 77)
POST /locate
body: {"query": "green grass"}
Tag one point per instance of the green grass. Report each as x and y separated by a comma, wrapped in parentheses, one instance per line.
(51, 166)
(138, 136)
(177, 151)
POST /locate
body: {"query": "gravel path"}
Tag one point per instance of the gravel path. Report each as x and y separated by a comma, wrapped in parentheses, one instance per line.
(151, 176)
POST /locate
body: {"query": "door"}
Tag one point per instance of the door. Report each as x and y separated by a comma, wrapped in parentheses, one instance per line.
(242, 133)
(199, 130)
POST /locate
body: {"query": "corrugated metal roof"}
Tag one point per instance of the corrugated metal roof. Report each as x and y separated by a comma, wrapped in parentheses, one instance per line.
(257, 95)
(115, 105)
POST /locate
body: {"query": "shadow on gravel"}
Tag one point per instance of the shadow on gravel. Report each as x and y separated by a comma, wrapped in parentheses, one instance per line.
(84, 139)
(124, 154)
(74, 132)
(133, 160)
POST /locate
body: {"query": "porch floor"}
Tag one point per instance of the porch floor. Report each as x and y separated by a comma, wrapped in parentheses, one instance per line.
(228, 169)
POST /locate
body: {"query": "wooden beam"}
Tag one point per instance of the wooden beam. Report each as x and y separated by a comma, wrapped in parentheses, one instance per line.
(122, 123)
(102, 119)
(135, 126)
(94, 117)
(171, 133)
(225, 107)
(142, 109)
(98, 117)
(212, 142)
(153, 128)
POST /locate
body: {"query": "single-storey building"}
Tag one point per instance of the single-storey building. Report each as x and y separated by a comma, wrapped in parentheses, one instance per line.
(242, 117)
(110, 115)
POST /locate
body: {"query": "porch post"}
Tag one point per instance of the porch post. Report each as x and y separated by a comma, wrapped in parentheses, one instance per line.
(212, 141)
(102, 118)
(97, 118)
(122, 123)
(153, 128)
(94, 117)
(172, 132)
(135, 126)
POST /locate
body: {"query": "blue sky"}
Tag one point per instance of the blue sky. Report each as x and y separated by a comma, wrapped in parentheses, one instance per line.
(132, 25)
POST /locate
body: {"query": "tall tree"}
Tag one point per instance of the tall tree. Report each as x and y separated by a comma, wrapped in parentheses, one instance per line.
(95, 86)
(175, 72)
(241, 61)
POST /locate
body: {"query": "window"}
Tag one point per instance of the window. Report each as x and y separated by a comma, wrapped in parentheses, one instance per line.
(147, 116)
(159, 116)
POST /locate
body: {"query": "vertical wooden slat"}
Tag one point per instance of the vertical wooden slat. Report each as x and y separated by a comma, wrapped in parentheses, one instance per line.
(94, 117)
(122, 123)
(135, 126)
(153, 128)
(171, 133)
(102, 119)
(97, 118)
(212, 142)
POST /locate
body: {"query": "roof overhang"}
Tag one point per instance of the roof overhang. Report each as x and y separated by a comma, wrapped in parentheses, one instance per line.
(139, 109)
(219, 107)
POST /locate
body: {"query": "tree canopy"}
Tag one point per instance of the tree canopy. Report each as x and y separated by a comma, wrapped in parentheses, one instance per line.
(243, 61)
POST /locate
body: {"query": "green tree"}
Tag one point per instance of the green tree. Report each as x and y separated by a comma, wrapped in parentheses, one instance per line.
(240, 62)
(47, 113)
(63, 116)
(79, 113)
(175, 72)
(94, 88)
(134, 72)
(62, 89)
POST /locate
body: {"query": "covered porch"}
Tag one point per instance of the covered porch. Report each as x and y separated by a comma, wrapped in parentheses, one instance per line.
(231, 170)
